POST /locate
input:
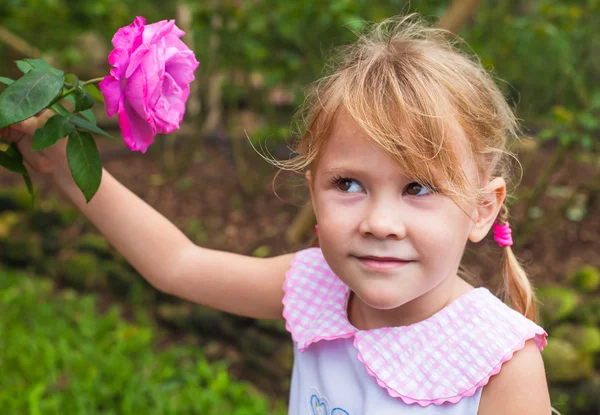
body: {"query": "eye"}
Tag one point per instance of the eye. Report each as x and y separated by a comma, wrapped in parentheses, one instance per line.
(348, 185)
(417, 189)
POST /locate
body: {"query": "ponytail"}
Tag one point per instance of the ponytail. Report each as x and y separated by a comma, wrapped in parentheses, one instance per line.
(517, 288)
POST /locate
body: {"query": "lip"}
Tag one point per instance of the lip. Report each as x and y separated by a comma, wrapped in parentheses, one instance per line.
(382, 263)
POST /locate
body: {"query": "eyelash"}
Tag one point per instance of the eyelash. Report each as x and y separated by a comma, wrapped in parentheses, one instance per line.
(336, 180)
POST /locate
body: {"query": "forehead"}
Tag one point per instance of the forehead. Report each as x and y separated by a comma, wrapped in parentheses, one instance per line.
(348, 146)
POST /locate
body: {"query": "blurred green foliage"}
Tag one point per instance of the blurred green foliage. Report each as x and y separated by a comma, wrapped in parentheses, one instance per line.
(546, 51)
(59, 355)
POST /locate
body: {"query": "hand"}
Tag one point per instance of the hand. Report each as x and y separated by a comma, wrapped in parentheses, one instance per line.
(46, 161)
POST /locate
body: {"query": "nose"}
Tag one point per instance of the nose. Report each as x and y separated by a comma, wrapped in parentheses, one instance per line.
(383, 220)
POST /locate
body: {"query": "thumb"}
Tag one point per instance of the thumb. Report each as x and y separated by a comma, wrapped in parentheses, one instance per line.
(11, 134)
(29, 125)
(17, 131)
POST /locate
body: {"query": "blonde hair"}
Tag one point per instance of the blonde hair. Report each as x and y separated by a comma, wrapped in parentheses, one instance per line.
(424, 102)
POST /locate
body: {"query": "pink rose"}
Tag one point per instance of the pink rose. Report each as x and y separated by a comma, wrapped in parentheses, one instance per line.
(149, 84)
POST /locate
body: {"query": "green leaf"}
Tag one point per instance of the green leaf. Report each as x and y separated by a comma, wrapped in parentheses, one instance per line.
(71, 79)
(6, 81)
(89, 115)
(86, 125)
(42, 65)
(95, 92)
(11, 162)
(16, 164)
(587, 141)
(29, 185)
(565, 138)
(55, 128)
(69, 97)
(83, 100)
(59, 109)
(588, 121)
(23, 66)
(546, 134)
(28, 95)
(84, 162)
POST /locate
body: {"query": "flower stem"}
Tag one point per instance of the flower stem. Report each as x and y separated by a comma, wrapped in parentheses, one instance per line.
(94, 81)
(71, 90)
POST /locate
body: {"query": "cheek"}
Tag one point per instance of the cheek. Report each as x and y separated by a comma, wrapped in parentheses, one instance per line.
(337, 212)
(439, 232)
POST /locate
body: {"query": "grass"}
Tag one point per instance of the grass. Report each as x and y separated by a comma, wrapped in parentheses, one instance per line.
(59, 355)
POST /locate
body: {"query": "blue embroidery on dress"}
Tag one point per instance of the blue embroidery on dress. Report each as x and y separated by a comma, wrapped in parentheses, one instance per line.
(319, 407)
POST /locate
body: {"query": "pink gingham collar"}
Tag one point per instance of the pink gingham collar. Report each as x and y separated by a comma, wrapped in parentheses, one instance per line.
(441, 359)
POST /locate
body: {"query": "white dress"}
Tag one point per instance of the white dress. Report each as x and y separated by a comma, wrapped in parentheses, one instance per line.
(436, 366)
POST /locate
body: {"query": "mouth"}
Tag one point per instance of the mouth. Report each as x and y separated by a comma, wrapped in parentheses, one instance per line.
(380, 263)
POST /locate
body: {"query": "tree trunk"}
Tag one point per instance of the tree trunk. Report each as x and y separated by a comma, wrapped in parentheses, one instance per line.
(302, 224)
(457, 14)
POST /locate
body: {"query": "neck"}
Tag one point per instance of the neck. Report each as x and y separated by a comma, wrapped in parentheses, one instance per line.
(364, 317)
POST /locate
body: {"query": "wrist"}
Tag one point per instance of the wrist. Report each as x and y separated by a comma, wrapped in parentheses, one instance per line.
(62, 176)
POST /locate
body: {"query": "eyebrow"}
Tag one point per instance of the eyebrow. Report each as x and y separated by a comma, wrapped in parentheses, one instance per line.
(346, 169)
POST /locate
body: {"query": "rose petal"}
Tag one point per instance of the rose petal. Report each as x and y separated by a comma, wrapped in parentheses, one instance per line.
(166, 114)
(119, 58)
(174, 45)
(181, 67)
(136, 59)
(170, 108)
(111, 91)
(137, 134)
(156, 31)
(130, 36)
(149, 82)
(143, 83)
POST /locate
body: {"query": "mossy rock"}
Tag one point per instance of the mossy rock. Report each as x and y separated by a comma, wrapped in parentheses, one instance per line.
(22, 249)
(81, 270)
(15, 199)
(586, 339)
(8, 220)
(588, 313)
(564, 363)
(95, 244)
(556, 303)
(586, 279)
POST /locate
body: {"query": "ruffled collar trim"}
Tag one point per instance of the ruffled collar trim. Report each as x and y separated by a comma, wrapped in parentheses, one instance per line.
(441, 359)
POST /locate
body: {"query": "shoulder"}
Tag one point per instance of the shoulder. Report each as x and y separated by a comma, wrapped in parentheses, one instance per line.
(520, 387)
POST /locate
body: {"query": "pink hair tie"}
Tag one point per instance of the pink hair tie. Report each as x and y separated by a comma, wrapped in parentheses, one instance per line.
(503, 234)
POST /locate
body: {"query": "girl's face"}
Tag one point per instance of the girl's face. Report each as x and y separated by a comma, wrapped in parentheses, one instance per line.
(386, 236)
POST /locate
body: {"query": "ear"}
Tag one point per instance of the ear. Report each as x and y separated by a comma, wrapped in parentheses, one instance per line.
(311, 189)
(487, 210)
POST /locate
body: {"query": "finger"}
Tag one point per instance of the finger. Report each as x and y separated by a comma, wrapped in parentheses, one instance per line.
(9, 134)
(29, 125)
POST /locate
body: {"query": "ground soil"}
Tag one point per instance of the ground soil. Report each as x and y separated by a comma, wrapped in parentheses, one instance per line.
(207, 202)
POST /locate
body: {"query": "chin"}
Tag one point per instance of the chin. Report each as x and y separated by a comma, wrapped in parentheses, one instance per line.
(383, 297)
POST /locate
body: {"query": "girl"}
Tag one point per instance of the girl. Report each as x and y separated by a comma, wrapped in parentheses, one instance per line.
(405, 160)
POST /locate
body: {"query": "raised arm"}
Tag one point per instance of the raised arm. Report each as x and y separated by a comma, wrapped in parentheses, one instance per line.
(164, 256)
(156, 248)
